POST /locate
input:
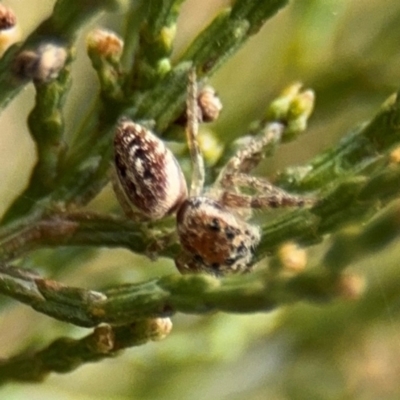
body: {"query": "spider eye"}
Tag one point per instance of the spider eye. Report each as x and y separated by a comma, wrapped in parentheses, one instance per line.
(147, 171)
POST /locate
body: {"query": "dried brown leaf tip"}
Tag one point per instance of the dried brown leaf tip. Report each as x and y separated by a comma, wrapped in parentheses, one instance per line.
(7, 18)
(147, 171)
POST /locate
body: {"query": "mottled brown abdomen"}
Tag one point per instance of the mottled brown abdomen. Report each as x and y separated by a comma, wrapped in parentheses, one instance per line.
(147, 171)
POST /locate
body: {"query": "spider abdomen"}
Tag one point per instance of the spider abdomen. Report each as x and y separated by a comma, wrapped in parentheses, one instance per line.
(217, 240)
(150, 176)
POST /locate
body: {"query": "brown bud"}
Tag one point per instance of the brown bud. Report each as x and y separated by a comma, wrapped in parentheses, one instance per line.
(7, 18)
(159, 328)
(209, 106)
(105, 43)
(209, 103)
(103, 339)
(42, 64)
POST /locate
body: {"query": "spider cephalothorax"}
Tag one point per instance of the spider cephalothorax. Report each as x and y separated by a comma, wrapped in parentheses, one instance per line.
(214, 236)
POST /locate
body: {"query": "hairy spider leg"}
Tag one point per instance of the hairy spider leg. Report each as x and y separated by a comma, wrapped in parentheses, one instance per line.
(269, 195)
(248, 157)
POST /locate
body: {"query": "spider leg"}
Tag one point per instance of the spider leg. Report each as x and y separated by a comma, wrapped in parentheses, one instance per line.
(261, 185)
(272, 200)
(248, 157)
(269, 195)
(192, 128)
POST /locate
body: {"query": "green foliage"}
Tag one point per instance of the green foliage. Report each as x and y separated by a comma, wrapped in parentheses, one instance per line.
(50, 230)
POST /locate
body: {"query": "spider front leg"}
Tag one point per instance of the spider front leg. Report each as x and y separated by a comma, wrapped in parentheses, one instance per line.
(248, 157)
(268, 195)
(234, 176)
(271, 200)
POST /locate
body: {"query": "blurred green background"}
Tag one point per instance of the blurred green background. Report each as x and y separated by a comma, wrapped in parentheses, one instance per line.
(349, 53)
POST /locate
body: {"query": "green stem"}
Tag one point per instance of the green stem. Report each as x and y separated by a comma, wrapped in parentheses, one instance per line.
(191, 294)
(156, 37)
(341, 202)
(74, 229)
(199, 294)
(357, 153)
(65, 354)
(228, 32)
(46, 124)
(67, 18)
(356, 242)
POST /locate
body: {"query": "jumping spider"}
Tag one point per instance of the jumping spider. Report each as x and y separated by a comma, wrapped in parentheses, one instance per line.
(211, 225)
